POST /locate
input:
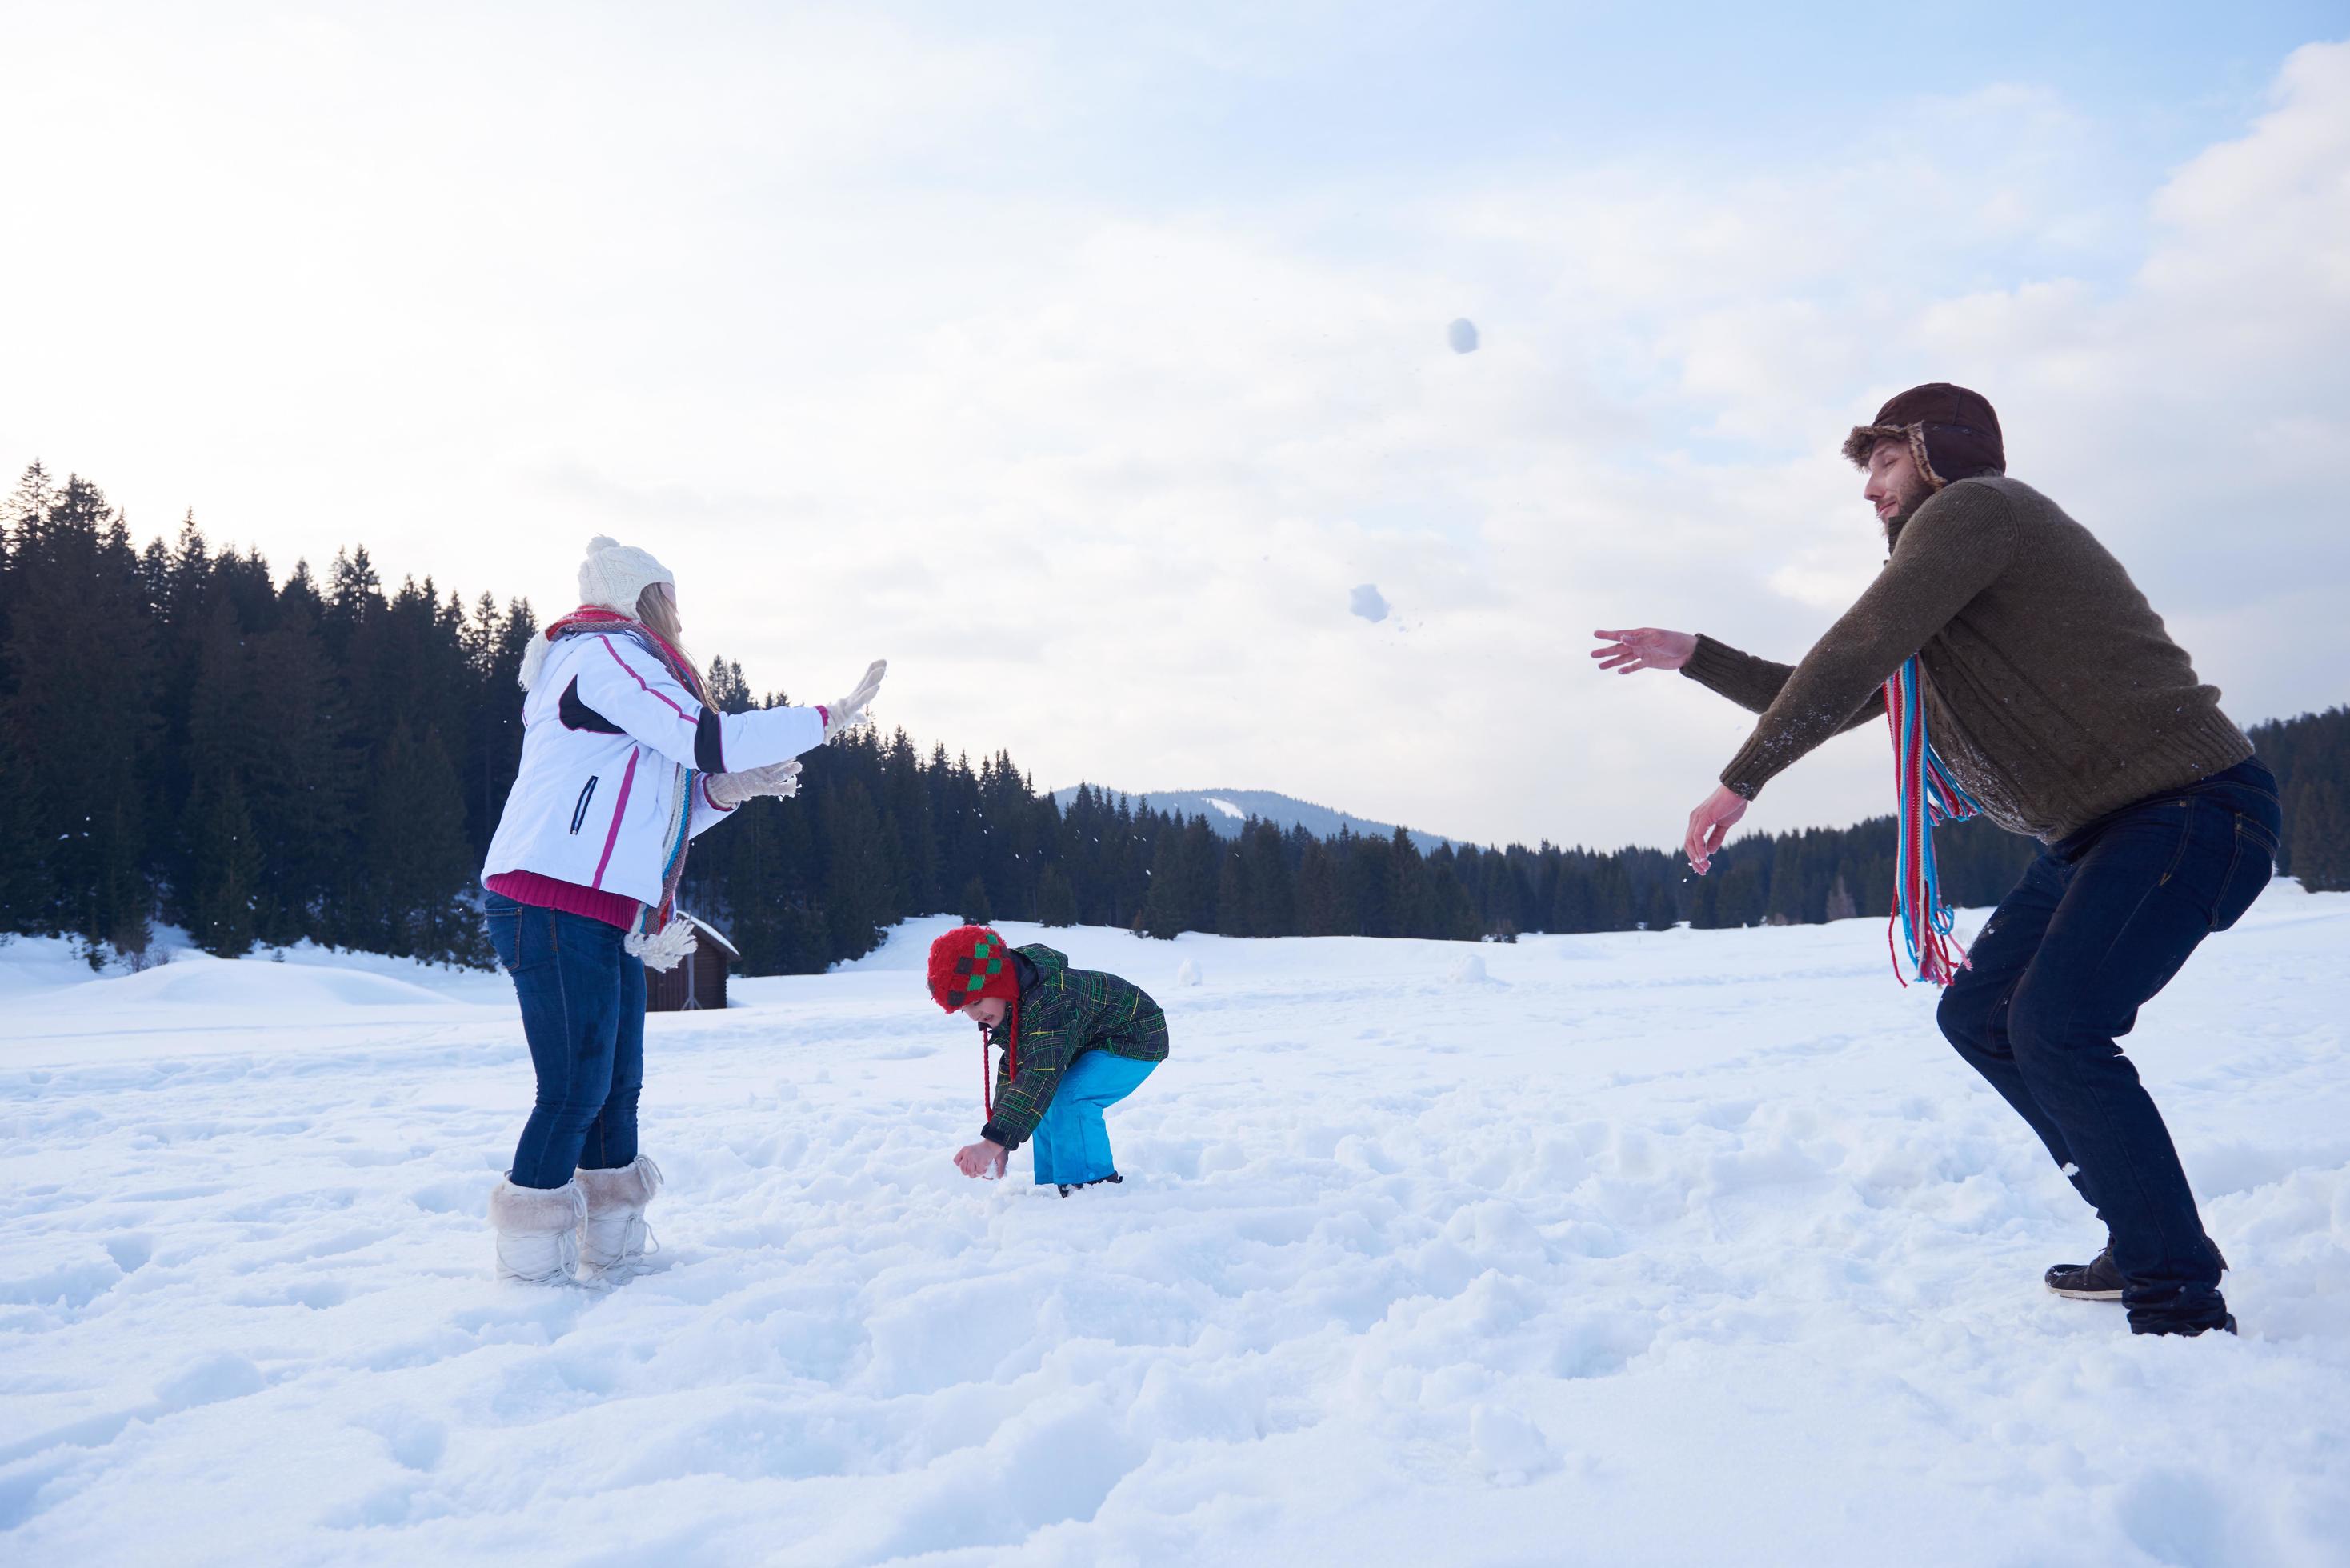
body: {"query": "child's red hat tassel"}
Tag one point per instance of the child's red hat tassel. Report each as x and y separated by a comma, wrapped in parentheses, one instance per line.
(966, 964)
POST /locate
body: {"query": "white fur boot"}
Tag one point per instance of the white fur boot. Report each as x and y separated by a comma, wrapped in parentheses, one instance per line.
(539, 1231)
(613, 1237)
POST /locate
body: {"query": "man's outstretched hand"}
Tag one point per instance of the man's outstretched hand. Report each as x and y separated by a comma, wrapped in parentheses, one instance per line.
(1643, 648)
(984, 1158)
(1709, 823)
(1653, 647)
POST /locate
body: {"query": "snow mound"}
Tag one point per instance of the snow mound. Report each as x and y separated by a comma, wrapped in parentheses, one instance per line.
(1651, 1256)
(198, 981)
(38, 964)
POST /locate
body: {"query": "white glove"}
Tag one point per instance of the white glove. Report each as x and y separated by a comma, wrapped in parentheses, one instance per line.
(849, 714)
(728, 791)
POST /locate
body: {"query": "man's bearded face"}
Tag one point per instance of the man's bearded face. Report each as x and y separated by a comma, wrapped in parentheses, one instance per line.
(1895, 488)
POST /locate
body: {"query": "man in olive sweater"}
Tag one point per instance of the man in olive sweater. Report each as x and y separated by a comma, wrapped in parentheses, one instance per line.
(2060, 704)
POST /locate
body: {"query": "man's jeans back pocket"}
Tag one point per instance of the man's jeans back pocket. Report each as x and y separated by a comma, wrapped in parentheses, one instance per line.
(2248, 874)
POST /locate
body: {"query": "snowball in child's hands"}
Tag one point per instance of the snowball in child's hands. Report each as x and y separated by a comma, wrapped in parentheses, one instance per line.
(984, 1159)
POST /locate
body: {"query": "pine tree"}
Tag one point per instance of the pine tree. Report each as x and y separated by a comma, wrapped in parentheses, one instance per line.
(1163, 913)
(1263, 854)
(416, 871)
(1450, 913)
(976, 910)
(301, 773)
(23, 847)
(906, 810)
(1319, 910)
(1056, 902)
(227, 866)
(2320, 838)
(1234, 916)
(1573, 909)
(274, 763)
(217, 865)
(1408, 911)
(760, 884)
(81, 648)
(856, 876)
(729, 692)
(184, 622)
(354, 599)
(1614, 896)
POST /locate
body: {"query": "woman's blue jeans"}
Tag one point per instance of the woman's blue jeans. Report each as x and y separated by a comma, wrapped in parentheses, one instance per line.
(583, 1011)
(1071, 1143)
(2098, 924)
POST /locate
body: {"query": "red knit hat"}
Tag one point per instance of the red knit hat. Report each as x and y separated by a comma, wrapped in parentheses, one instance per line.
(970, 963)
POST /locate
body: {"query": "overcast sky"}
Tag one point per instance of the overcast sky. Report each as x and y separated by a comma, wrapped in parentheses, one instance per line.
(1084, 362)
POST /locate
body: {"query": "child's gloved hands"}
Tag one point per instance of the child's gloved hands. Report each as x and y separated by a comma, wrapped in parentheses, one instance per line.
(983, 1159)
(728, 791)
(849, 711)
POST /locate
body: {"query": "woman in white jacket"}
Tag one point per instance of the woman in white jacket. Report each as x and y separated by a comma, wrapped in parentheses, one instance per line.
(623, 762)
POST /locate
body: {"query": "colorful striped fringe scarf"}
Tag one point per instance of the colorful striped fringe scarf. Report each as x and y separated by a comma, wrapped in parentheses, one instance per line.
(661, 943)
(1929, 797)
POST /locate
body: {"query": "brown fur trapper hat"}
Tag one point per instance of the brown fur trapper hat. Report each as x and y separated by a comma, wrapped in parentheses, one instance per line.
(1953, 433)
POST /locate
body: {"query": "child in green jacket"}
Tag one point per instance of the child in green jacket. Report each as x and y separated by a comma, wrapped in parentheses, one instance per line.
(1075, 1041)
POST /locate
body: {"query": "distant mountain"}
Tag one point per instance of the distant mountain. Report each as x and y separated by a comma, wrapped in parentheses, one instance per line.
(1227, 809)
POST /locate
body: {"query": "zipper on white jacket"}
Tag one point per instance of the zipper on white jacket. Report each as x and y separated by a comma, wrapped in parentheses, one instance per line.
(579, 812)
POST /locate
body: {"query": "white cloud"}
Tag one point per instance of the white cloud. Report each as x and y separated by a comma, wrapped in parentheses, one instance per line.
(718, 299)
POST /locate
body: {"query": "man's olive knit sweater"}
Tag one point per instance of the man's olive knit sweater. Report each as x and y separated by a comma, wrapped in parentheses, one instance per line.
(2051, 690)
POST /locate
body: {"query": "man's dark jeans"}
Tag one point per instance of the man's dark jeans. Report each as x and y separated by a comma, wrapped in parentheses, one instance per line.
(2099, 924)
(583, 1010)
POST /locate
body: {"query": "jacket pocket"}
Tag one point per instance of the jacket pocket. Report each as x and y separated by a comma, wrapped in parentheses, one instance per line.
(579, 812)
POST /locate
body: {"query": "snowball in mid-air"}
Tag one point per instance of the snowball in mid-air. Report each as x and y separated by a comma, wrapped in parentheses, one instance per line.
(1189, 974)
(1368, 602)
(1462, 335)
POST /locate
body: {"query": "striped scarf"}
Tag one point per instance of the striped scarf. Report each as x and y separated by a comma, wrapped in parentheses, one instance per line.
(1929, 797)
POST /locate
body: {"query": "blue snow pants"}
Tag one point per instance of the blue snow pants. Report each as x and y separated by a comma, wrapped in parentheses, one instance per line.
(1071, 1143)
(583, 1011)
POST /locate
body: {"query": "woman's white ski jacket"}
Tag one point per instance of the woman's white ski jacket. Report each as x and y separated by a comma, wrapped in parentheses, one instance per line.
(604, 731)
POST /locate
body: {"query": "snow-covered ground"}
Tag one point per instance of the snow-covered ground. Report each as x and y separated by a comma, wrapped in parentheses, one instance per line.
(1693, 1247)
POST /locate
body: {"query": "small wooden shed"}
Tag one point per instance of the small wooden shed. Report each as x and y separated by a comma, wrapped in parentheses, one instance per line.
(701, 979)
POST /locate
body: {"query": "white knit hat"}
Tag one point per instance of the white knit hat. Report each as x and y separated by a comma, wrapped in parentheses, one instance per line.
(614, 575)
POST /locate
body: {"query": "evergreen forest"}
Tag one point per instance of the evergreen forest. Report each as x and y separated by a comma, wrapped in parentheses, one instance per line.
(186, 737)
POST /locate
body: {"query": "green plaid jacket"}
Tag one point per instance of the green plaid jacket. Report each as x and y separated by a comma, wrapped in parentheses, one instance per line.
(1067, 1012)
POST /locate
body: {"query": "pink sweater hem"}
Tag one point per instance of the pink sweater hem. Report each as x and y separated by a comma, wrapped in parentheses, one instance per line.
(548, 893)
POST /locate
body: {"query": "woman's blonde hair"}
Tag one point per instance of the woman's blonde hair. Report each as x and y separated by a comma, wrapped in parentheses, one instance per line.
(656, 607)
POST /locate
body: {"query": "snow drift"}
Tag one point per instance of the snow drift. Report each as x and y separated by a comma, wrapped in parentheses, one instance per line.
(1640, 1248)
